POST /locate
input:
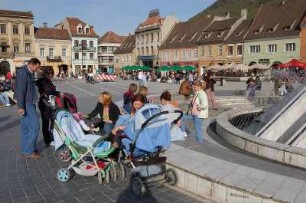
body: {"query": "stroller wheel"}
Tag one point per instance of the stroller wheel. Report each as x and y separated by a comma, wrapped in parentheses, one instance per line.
(63, 175)
(171, 177)
(120, 171)
(138, 187)
(64, 155)
(107, 177)
(113, 173)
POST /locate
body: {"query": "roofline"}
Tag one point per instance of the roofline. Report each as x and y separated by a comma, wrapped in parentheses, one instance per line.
(253, 21)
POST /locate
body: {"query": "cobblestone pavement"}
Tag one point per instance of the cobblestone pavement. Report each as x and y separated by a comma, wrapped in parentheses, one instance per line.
(27, 180)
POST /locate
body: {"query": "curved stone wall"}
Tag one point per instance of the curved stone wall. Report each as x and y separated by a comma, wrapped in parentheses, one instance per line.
(265, 148)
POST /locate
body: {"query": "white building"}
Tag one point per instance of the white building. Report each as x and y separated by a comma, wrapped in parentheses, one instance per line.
(107, 45)
(84, 45)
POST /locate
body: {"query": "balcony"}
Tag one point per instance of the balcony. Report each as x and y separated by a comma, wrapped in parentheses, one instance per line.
(84, 49)
(4, 55)
(54, 59)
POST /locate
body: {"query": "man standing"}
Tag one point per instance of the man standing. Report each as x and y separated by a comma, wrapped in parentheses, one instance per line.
(25, 94)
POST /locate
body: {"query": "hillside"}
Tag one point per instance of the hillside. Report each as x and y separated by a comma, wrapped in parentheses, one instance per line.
(221, 7)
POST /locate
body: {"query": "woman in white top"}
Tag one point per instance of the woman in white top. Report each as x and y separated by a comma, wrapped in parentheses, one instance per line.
(198, 110)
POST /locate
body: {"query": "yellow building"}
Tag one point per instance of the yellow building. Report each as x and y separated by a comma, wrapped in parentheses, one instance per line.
(16, 39)
(125, 54)
(53, 49)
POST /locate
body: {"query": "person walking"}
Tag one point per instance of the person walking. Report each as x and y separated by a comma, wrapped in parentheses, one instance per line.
(25, 94)
(210, 81)
(198, 111)
(46, 88)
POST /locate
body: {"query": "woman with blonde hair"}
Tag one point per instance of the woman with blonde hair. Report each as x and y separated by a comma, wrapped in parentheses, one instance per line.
(108, 111)
(198, 110)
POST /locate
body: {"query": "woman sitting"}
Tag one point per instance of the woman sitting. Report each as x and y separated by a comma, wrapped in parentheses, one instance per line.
(108, 111)
(176, 132)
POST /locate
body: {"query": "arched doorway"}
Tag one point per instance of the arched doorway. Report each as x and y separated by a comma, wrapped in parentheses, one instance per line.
(63, 69)
(4, 68)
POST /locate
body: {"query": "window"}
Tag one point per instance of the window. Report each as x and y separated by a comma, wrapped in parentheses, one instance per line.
(152, 50)
(91, 55)
(79, 29)
(290, 47)
(91, 44)
(203, 51)
(230, 50)
(272, 48)
(84, 43)
(16, 48)
(152, 37)
(42, 52)
(27, 30)
(64, 52)
(189, 53)
(87, 30)
(209, 50)
(76, 56)
(15, 29)
(184, 54)
(27, 47)
(195, 53)
(84, 56)
(239, 50)
(76, 43)
(51, 49)
(2, 29)
(219, 50)
(254, 49)
(175, 54)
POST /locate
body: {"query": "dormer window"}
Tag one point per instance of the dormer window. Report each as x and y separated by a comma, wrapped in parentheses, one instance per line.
(87, 30)
(182, 38)
(288, 27)
(193, 36)
(270, 30)
(219, 34)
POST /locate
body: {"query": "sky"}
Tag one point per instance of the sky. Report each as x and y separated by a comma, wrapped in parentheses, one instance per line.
(119, 16)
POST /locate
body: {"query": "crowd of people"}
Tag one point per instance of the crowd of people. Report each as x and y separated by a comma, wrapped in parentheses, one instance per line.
(199, 92)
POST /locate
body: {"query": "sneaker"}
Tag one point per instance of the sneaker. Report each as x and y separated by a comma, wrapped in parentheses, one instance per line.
(52, 143)
(33, 156)
(8, 105)
(185, 134)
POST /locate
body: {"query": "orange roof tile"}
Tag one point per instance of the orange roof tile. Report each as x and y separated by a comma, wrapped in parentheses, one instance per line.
(52, 33)
(112, 38)
(73, 24)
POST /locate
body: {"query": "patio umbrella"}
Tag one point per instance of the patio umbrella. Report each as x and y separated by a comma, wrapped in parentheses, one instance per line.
(188, 68)
(125, 67)
(175, 68)
(216, 67)
(293, 63)
(258, 66)
(242, 67)
(163, 68)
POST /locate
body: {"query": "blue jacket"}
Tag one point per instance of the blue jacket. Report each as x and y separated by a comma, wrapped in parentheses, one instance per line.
(25, 88)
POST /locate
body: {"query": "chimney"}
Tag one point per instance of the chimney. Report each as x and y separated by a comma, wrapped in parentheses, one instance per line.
(244, 14)
(227, 15)
(45, 25)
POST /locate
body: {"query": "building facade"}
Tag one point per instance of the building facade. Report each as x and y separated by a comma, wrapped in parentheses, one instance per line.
(303, 40)
(149, 36)
(107, 45)
(53, 49)
(180, 47)
(16, 39)
(221, 42)
(125, 55)
(274, 37)
(84, 43)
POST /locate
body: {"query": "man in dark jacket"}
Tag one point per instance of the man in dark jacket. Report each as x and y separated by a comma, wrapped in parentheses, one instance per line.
(26, 95)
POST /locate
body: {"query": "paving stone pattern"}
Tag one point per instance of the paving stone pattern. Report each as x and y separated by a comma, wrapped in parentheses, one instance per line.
(27, 180)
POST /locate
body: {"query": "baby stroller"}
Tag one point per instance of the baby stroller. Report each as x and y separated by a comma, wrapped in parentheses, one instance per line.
(89, 153)
(143, 140)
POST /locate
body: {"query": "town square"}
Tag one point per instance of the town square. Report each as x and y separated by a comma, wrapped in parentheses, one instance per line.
(201, 101)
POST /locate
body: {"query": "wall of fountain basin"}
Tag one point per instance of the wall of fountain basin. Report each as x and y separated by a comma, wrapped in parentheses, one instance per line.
(279, 152)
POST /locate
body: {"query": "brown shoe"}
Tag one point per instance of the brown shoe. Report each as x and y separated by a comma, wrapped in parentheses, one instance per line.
(34, 155)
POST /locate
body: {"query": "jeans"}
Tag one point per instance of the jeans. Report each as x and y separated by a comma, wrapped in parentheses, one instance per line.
(198, 123)
(29, 129)
(107, 129)
(4, 98)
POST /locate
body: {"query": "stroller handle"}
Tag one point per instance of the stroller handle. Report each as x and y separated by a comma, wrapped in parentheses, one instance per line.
(162, 113)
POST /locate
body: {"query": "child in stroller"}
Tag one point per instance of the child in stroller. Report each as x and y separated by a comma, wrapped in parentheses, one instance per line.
(143, 138)
(89, 153)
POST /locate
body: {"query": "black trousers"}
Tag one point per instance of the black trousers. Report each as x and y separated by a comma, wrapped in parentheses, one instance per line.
(46, 122)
